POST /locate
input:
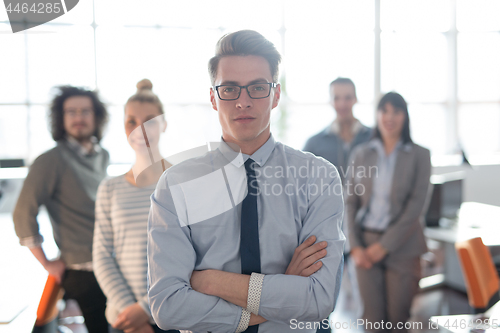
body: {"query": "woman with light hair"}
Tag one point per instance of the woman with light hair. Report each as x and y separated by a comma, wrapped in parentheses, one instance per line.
(122, 208)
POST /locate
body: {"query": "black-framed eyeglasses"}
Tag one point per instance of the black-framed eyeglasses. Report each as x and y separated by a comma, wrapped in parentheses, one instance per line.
(229, 92)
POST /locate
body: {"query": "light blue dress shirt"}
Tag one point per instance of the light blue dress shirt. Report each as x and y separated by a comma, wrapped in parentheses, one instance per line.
(300, 195)
(378, 216)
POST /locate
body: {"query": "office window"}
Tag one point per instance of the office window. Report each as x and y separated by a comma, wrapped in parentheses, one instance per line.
(478, 15)
(314, 60)
(478, 47)
(175, 60)
(478, 67)
(39, 137)
(428, 126)
(415, 15)
(13, 131)
(479, 128)
(304, 120)
(12, 67)
(439, 54)
(425, 80)
(415, 63)
(332, 39)
(65, 55)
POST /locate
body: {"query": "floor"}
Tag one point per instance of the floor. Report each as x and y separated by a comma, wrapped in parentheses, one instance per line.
(435, 301)
(432, 302)
(71, 318)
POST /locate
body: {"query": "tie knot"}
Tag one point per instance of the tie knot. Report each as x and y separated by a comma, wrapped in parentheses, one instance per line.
(250, 165)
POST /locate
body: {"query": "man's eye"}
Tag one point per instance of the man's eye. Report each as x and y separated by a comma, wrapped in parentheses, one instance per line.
(229, 89)
(258, 88)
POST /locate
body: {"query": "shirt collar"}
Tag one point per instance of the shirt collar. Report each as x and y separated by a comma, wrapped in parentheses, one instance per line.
(334, 128)
(379, 146)
(76, 146)
(260, 156)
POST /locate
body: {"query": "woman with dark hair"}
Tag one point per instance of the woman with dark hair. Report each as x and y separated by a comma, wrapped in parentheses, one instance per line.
(386, 192)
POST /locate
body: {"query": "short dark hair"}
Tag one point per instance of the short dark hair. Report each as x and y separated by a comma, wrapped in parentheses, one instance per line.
(398, 102)
(56, 115)
(343, 80)
(244, 43)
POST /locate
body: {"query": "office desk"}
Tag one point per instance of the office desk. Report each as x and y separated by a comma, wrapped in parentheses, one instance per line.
(480, 323)
(22, 278)
(474, 220)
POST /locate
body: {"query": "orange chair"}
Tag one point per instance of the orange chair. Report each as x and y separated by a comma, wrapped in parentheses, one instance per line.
(481, 277)
(47, 309)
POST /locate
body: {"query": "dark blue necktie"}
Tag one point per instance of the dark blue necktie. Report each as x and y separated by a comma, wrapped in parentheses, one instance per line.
(249, 237)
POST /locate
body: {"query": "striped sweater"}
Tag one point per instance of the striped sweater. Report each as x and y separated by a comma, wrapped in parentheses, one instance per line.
(120, 240)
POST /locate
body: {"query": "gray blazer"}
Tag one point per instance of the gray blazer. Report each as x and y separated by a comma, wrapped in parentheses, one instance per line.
(404, 235)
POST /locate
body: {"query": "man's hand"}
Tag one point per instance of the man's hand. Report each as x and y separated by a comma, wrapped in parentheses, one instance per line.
(256, 320)
(360, 257)
(55, 268)
(376, 252)
(305, 258)
(131, 319)
(233, 287)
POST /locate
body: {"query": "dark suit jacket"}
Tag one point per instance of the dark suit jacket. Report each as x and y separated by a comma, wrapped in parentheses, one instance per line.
(404, 235)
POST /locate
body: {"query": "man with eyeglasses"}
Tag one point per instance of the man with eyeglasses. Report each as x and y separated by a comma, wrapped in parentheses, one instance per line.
(65, 180)
(247, 237)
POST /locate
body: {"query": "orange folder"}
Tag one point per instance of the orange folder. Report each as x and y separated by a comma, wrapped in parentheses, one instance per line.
(47, 309)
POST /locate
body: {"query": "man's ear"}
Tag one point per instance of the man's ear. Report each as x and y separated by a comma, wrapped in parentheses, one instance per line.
(277, 95)
(212, 99)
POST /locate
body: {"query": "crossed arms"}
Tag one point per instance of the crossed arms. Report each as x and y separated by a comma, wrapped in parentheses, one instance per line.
(213, 300)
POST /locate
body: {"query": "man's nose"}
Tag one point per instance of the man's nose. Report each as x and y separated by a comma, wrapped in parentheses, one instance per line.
(78, 117)
(244, 101)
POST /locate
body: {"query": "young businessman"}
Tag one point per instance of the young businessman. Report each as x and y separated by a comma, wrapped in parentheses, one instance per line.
(235, 236)
(65, 180)
(336, 142)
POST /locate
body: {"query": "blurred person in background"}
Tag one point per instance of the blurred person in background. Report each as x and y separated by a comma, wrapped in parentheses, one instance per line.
(122, 209)
(386, 192)
(65, 180)
(335, 143)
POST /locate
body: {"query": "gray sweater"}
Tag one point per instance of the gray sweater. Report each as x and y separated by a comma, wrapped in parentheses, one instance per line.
(65, 181)
(331, 147)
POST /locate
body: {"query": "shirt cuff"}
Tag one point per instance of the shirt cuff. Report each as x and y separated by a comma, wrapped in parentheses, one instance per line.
(244, 321)
(254, 292)
(31, 242)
